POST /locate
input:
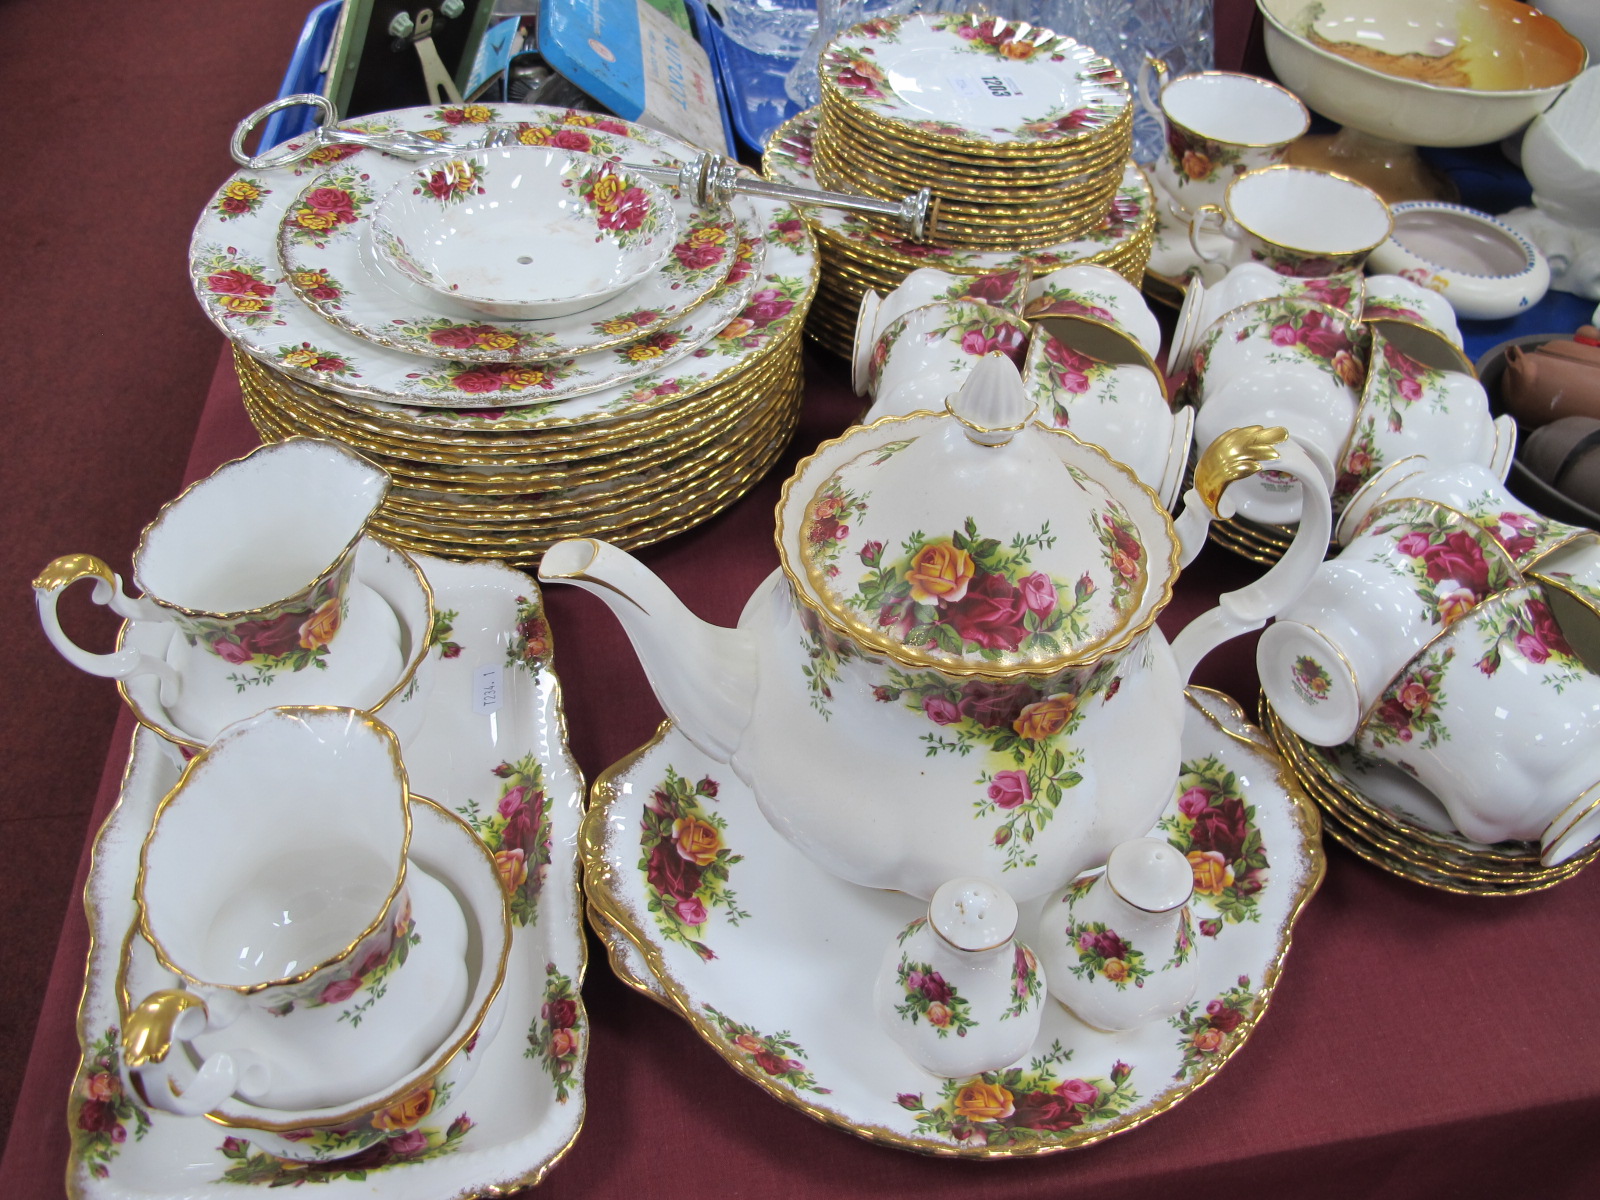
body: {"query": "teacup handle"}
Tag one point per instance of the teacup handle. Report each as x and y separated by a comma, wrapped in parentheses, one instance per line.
(1149, 97)
(172, 1081)
(62, 574)
(1235, 455)
(1199, 223)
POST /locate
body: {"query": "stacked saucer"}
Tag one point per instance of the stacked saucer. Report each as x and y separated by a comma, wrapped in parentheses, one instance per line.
(637, 416)
(1020, 133)
(858, 256)
(1382, 815)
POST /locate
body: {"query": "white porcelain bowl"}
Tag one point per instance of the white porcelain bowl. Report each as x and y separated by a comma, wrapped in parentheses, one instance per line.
(1561, 153)
(1407, 110)
(524, 231)
(1483, 267)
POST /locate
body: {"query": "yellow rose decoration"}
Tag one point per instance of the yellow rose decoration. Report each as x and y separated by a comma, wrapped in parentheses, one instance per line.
(1017, 50)
(1045, 718)
(606, 190)
(643, 352)
(523, 378)
(1212, 874)
(245, 304)
(981, 1101)
(619, 325)
(697, 840)
(534, 137)
(476, 114)
(309, 279)
(513, 868)
(241, 189)
(497, 341)
(939, 572)
(310, 218)
(300, 358)
(708, 236)
(405, 1113)
(1115, 970)
(320, 626)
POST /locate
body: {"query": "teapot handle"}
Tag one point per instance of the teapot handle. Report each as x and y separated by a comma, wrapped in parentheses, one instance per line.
(173, 1082)
(62, 574)
(1235, 455)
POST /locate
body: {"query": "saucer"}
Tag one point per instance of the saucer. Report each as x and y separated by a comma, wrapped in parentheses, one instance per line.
(478, 756)
(338, 275)
(782, 990)
(386, 587)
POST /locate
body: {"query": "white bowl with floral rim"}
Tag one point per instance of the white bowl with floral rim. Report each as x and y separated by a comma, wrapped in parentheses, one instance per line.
(524, 231)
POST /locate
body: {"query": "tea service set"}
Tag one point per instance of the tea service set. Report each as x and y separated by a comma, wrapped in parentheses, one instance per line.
(294, 946)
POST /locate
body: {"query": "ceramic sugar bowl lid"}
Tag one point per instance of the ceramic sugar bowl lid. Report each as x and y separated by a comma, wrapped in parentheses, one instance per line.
(975, 541)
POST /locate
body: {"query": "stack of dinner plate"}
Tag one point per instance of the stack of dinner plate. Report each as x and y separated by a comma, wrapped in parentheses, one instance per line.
(632, 419)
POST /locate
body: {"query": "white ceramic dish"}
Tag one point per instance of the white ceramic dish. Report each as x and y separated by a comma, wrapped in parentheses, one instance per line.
(783, 992)
(232, 268)
(1561, 151)
(524, 1106)
(524, 231)
(339, 273)
(1483, 267)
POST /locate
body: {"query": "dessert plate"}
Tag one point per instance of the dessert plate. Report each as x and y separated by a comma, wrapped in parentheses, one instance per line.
(502, 765)
(788, 160)
(782, 989)
(233, 267)
(336, 272)
(972, 78)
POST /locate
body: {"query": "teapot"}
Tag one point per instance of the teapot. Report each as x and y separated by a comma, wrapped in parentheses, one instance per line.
(956, 669)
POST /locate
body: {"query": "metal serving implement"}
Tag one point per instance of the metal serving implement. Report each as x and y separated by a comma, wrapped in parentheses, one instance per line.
(711, 180)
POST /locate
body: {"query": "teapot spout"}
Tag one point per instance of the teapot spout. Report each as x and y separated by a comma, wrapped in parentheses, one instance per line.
(704, 676)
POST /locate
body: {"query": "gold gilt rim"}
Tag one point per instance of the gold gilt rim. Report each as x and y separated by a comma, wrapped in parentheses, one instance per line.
(1460, 363)
(906, 656)
(1134, 347)
(720, 492)
(594, 437)
(603, 793)
(1130, 253)
(835, 126)
(166, 509)
(391, 745)
(642, 413)
(403, 462)
(702, 416)
(419, 653)
(486, 485)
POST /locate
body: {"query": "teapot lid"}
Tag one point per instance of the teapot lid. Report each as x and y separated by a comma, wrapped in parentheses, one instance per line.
(975, 542)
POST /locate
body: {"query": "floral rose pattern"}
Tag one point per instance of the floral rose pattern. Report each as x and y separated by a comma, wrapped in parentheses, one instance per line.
(1201, 160)
(287, 639)
(1020, 1106)
(621, 208)
(1217, 831)
(829, 524)
(1298, 332)
(1528, 631)
(981, 329)
(236, 286)
(363, 979)
(488, 378)
(322, 211)
(1409, 710)
(1000, 289)
(464, 114)
(443, 631)
(1452, 566)
(444, 334)
(306, 358)
(103, 1115)
(1209, 1031)
(1027, 982)
(529, 647)
(1102, 952)
(1058, 301)
(1310, 679)
(1526, 535)
(929, 997)
(777, 1055)
(556, 1038)
(685, 861)
(398, 1148)
(1069, 373)
(517, 832)
(567, 138)
(318, 285)
(753, 326)
(239, 197)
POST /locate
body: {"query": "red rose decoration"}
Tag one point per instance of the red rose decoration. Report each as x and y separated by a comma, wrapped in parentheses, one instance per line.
(561, 1014)
(1044, 1111)
(993, 705)
(670, 873)
(990, 614)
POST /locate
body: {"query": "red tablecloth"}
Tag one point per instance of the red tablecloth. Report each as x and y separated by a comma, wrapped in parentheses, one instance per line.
(1419, 1044)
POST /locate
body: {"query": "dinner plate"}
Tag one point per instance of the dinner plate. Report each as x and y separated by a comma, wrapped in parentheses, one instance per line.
(480, 757)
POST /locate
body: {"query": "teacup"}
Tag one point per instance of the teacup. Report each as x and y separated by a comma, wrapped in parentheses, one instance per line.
(1328, 658)
(1247, 283)
(1471, 488)
(1277, 333)
(273, 883)
(1500, 719)
(1296, 220)
(413, 1091)
(1409, 408)
(1099, 293)
(922, 287)
(1219, 124)
(1394, 298)
(252, 567)
(1099, 384)
(922, 357)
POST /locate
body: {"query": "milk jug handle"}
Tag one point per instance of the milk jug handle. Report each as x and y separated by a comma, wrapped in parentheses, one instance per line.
(62, 574)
